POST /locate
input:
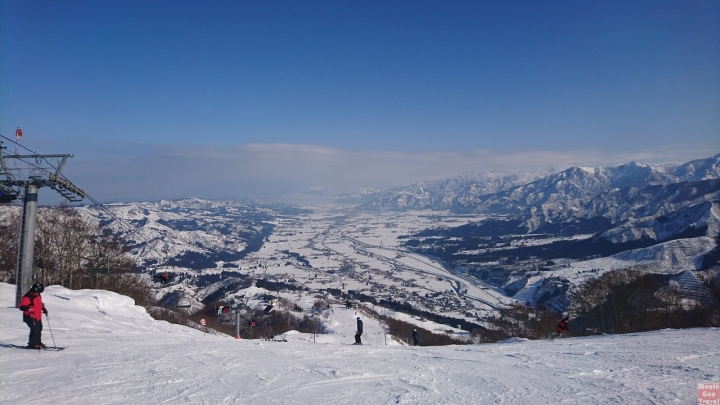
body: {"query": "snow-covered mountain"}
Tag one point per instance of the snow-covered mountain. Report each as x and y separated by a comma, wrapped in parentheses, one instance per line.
(582, 222)
(669, 228)
(633, 206)
(611, 217)
(117, 354)
(452, 193)
(658, 211)
(499, 194)
(192, 232)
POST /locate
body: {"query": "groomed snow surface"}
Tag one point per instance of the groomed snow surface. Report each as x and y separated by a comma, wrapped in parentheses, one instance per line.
(117, 354)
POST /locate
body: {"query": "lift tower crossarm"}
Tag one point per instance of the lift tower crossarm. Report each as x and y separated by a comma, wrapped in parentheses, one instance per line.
(60, 166)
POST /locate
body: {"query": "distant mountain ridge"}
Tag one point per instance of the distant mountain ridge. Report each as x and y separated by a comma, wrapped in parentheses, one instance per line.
(444, 194)
(506, 195)
(619, 215)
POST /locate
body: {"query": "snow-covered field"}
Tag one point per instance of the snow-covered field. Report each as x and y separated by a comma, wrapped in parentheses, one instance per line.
(118, 355)
(370, 245)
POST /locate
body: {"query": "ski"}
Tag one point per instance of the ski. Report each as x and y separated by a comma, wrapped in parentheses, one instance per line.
(49, 348)
(54, 348)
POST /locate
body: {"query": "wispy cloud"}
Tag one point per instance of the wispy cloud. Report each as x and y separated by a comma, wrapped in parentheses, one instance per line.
(274, 169)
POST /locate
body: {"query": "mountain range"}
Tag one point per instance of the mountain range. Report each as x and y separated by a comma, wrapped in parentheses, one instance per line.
(630, 213)
(508, 194)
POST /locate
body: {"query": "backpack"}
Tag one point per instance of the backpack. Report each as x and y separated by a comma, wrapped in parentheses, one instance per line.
(27, 318)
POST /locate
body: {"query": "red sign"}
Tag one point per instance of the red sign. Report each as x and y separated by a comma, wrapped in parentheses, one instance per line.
(18, 133)
(709, 393)
(202, 322)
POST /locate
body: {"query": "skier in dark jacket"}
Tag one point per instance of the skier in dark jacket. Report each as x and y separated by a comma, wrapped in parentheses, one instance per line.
(562, 326)
(416, 337)
(32, 306)
(359, 331)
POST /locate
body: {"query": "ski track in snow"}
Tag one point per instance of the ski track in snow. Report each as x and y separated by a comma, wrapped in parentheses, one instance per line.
(122, 356)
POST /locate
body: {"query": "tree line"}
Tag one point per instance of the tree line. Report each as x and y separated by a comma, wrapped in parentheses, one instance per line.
(69, 248)
(620, 301)
(634, 300)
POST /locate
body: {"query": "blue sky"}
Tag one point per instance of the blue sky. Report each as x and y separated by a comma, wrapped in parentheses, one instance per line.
(422, 90)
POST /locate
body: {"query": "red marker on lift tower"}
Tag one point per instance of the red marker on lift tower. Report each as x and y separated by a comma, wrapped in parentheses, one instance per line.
(18, 135)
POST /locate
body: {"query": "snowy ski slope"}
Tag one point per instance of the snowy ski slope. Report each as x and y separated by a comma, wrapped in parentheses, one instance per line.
(117, 354)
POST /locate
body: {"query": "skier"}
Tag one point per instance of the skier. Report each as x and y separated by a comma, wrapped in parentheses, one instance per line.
(416, 337)
(562, 326)
(252, 325)
(31, 304)
(359, 331)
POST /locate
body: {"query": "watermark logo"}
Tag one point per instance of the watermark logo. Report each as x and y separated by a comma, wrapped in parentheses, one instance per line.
(709, 393)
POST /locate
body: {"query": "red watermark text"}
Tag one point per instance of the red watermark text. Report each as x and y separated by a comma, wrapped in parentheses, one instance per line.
(709, 393)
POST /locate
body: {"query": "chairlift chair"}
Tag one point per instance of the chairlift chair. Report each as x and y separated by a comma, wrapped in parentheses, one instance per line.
(8, 195)
(102, 268)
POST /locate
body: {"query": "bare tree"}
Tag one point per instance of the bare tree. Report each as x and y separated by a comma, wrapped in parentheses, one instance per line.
(61, 239)
(624, 301)
(620, 301)
(66, 244)
(670, 298)
(9, 238)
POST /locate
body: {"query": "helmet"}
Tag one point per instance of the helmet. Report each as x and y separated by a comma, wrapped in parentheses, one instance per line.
(358, 318)
(37, 287)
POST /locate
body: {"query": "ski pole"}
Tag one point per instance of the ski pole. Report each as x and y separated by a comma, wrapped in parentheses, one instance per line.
(50, 327)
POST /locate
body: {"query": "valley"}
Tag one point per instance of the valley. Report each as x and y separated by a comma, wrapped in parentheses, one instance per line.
(527, 240)
(331, 249)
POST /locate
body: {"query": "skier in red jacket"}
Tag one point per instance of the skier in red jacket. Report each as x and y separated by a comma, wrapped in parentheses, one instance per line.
(562, 326)
(32, 306)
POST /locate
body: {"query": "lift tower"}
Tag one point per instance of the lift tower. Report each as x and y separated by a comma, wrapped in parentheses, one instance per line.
(31, 172)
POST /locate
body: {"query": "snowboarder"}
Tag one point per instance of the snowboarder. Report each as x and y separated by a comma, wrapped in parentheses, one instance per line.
(416, 337)
(359, 331)
(32, 306)
(562, 326)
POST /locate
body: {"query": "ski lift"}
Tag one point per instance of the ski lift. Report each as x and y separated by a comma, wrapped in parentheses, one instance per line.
(8, 195)
(9, 190)
(99, 269)
(164, 277)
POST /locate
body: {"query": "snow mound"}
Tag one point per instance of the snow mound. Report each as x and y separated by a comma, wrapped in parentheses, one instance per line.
(96, 301)
(513, 340)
